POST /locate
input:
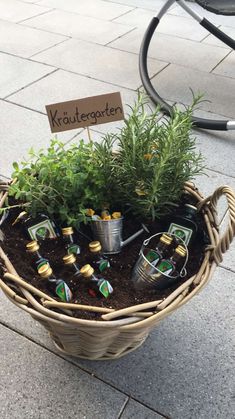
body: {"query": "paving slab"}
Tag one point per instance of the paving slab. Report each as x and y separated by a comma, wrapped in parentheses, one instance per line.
(135, 410)
(77, 26)
(71, 86)
(18, 73)
(209, 182)
(212, 40)
(120, 68)
(226, 67)
(170, 24)
(21, 130)
(218, 149)
(146, 4)
(37, 384)
(15, 11)
(175, 82)
(172, 49)
(22, 41)
(185, 368)
(229, 256)
(95, 8)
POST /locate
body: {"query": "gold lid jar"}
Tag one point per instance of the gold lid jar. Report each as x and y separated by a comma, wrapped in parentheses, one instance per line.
(87, 271)
(180, 250)
(32, 246)
(69, 259)
(67, 231)
(45, 271)
(95, 246)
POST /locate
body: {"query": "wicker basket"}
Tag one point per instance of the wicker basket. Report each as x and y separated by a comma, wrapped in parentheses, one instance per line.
(119, 331)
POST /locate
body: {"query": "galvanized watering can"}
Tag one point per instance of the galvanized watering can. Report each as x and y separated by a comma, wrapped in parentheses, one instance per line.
(109, 234)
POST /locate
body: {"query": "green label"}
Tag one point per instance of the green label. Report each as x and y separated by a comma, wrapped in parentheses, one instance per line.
(63, 292)
(104, 263)
(165, 266)
(105, 288)
(42, 231)
(74, 248)
(182, 232)
(152, 256)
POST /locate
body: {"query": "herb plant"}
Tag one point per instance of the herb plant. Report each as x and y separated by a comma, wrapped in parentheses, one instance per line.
(145, 174)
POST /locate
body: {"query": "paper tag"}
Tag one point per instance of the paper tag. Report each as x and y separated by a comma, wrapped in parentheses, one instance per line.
(85, 112)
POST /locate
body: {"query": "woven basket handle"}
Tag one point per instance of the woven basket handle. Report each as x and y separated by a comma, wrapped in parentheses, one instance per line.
(226, 239)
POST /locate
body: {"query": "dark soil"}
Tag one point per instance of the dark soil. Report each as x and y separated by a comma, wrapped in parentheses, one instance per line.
(124, 294)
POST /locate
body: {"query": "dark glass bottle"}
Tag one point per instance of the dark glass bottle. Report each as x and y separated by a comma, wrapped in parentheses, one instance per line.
(98, 259)
(56, 286)
(96, 283)
(32, 249)
(155, 255)
(38, 228)
(184, 225)
(71, 247)
(168, 270)
(70, 262)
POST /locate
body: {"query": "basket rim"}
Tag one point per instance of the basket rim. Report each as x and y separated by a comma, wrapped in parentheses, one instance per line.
(161, 308)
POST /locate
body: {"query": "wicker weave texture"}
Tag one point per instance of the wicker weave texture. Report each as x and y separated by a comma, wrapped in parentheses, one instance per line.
(119, 331)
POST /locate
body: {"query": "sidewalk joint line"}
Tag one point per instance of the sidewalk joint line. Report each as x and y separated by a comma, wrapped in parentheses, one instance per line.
(31, 83)
(87, 371)
(23, 106)
(123, 14)
(52, 46)
(224, 58)
(120, 36)
(32, 17)
(123, 407)
(220, 173)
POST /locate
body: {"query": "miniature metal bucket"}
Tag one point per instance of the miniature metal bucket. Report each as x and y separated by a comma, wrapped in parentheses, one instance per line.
(144, 272)
(109, 234)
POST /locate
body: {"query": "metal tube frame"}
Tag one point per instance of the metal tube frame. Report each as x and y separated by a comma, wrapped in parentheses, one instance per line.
(220, 125)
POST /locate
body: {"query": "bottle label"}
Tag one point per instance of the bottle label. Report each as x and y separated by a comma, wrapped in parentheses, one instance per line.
(63, 292)
(165, 266)
(153, 257)
(42, 231)
(103, 264)
(182, 232)
(74, 248)
(41, 262)
(105, 288)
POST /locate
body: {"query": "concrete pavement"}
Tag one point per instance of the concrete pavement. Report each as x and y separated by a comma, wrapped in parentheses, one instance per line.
(56, 50)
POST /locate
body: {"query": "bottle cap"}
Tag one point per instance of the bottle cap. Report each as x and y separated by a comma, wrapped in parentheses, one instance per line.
(105, 214)
(69, 259)
(32, 247)
(22, 215)
(95, 246)
(181, 250)
(87, 271)
(166, 239)
(66, 231)
(116, 214)
(45, 271)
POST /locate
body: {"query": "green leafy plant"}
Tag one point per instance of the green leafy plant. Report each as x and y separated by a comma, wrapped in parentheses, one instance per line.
(154, 160)
(142, 169)
(62, 182)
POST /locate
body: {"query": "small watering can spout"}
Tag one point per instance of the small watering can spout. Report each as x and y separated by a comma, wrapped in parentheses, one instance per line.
(131, 238)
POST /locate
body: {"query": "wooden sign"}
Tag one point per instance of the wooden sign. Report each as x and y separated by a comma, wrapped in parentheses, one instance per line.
(85, 112)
